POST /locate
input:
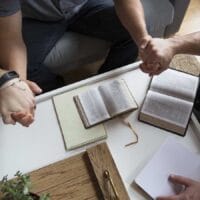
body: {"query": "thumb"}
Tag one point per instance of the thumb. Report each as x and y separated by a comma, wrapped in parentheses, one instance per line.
(34, 87)
(144, 42)
(180, 180)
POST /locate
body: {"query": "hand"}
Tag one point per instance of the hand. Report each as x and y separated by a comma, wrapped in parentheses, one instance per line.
(192, 189)
(156, 55)
(17, 102)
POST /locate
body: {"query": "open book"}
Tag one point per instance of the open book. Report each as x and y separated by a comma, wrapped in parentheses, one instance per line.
(169, 101)
(103, 102)
(74, 133)
(171, 158)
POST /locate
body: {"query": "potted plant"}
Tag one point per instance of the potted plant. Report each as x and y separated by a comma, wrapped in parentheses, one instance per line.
(18, 189)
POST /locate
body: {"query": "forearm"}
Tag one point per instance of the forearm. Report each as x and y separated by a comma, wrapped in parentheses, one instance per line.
(132, 17)
(13, 54)
(187, 44)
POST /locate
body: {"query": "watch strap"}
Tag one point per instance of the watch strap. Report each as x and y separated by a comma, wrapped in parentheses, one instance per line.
(8, 76)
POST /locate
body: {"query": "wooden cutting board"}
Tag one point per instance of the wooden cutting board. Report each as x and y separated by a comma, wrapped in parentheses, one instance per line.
(81, 177)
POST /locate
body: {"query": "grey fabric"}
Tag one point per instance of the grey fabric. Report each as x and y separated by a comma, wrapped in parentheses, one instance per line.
(158, 15)
(44, 10)
(51, 10)
(180, 7)
(74, 50)
(9, 7)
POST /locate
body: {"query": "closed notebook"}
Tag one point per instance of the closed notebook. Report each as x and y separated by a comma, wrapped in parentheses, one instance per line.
(169, 101)
(171, 158)
(104, 102)
(74, 133)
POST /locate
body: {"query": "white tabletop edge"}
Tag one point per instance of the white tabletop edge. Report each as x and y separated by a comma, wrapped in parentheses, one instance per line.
(90, 80)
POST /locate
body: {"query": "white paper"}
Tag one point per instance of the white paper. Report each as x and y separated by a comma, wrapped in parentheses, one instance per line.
(171, 158)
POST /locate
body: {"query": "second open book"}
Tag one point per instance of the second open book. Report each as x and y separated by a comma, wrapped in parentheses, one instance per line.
(103, 102)
(169, 101)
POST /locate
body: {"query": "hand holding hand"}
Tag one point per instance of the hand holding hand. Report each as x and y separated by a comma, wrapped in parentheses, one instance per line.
(192, 189)
(17, 102)
(156, 55)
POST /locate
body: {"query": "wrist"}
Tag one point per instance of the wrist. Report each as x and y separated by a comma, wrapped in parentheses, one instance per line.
(10, 83)
(175, 44)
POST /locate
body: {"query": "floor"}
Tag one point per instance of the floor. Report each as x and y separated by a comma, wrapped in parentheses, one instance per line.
(191, 22)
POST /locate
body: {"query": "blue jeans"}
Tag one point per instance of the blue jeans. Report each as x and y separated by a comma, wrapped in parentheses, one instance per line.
(97, 18)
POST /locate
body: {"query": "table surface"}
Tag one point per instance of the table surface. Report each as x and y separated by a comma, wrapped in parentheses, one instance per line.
(27, 149)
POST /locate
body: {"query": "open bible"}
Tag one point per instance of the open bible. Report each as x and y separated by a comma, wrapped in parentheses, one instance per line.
(103, 102)
(169, 101)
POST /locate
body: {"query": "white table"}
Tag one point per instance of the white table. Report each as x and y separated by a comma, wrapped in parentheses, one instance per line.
(27, 149)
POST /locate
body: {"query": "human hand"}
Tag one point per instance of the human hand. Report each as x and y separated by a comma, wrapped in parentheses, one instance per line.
(17, 102)
(156, 55)
(191, 192)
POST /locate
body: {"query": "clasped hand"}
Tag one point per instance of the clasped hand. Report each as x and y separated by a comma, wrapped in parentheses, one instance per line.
(156, 55)
(17, 102)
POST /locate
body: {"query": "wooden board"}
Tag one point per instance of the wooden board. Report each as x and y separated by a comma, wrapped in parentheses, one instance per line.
(102, 162)
(75, 178)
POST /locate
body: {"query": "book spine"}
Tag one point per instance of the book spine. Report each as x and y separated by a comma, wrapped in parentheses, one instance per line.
(81, 112)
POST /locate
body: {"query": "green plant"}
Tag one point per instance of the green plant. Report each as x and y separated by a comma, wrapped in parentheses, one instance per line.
(19, 189)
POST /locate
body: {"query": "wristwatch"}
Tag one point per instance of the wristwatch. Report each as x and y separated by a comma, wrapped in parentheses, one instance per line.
(8, 76)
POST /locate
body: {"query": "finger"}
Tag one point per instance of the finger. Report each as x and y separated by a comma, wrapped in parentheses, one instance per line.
(34, 87)
(144, 44)
(27, 120)
(149, 68)
(181, 180)
(156, 69)
(144, 53)
(160, 70)
(145, 68)
(18, 115)
(22, 118)
(7, 119)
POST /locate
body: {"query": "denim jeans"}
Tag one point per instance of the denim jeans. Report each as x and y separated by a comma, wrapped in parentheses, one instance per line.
(96, 18)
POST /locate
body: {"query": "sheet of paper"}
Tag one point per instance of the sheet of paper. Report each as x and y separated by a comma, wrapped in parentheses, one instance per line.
(171, 158)
(74, 133)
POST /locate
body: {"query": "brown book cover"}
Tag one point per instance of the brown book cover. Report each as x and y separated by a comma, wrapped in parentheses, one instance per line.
(169, 101)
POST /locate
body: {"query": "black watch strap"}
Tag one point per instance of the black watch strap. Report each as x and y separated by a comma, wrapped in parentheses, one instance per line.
(8, 76)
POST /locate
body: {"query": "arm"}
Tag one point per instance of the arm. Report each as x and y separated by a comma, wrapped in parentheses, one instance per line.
(159, 52)
(189, 44)
(13, 54)
(16, 98)
(131, 15)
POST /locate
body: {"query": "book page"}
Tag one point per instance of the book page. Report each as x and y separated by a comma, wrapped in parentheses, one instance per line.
(171, 158)
(93, 106)
(117, 97)
(74, 133)
(166, 109)
(175, 83)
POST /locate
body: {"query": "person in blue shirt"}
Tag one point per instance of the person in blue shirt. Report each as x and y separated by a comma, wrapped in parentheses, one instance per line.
(29, 29)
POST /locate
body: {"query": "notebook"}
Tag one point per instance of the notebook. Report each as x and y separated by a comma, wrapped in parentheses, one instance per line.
(74, 133)
(104, 102)
(169, 101)
(171, 158)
